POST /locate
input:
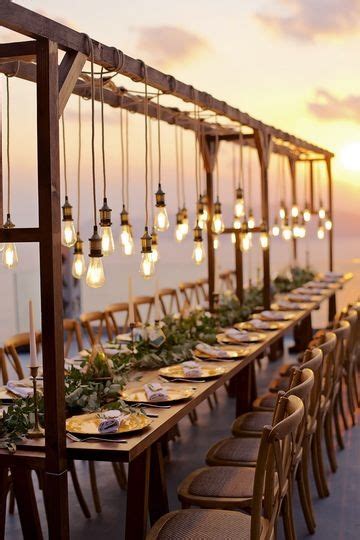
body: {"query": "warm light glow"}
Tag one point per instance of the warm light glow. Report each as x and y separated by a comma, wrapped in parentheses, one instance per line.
(239, 208)
(147, 266)
(296, 230)
(95, 276)
(9, 256)
(328, 224)
(179, 235)
(155, 255)
(128, 248)
(125, 235)
(68, 237)
(218, 224)
(202, 221)
(321, 232)
(184, 226)
(233, 238)
(237, 223)
(322, 212)
(287, 232)
(275, 229)
(282, 212)
(350, 156)
(264, 240)
(307, 215)
(198, 254)
(245, 242)
(2, 246)
(251, 221)
(78, 266)
(216, 242)
(161, 219)
(294, 211)
(107, 241)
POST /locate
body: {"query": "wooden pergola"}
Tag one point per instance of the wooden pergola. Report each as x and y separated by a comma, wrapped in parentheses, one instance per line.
(37, 60)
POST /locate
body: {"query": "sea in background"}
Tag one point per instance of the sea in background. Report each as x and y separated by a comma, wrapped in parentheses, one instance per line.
(175, 266)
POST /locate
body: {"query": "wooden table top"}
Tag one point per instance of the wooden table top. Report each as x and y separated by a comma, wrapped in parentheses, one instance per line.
(168, 418)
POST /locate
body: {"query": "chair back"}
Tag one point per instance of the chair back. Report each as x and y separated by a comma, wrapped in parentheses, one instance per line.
(72, 329)
(11, 353)
(226, 281)
(313, 359)
(351, 316)
(274, 467)
(169, 301)
(190, 295)
(342, 330)
(93, 323)
(112, 314)
(143, 304)
(203, 290)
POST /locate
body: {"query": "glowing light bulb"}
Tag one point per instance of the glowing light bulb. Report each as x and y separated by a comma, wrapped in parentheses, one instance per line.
(322, 211)
(233, 238)
(296, 228)
(68, 238)
(245, 242)
(155, 255)
(286, 231)
(147, 266)
(2, 246)
(95, 276)
(264, 240)
(218, 224)
(185, 221)
(328, 224)
(161, 218)
(294, 211)
(216, 242)
(251, 220)
(239, 208)
(125, 235)
(307, 214)
(237, 223)
(282, 211)
(321, 232)
(128, 248)
(107, 241)
(275, 231)
(10, 256)
(78, 266)
(179, 235)
(198, 254)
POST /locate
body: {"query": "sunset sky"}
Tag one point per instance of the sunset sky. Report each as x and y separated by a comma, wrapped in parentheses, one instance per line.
(293, 64)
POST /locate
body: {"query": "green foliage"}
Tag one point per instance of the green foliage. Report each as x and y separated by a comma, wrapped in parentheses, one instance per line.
(297, 277)
(16, 421)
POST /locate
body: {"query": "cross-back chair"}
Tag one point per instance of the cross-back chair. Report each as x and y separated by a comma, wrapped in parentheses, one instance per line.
(269, 492)
(226, 281)
(112, 314)
(190, 295)
(72, 329)
(11, 353)
(141, 303)
(169, 301)
(350, 365)
(203, 290)
(93, 322)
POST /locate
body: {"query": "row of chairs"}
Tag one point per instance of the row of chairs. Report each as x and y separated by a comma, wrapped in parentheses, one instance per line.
(254, 471)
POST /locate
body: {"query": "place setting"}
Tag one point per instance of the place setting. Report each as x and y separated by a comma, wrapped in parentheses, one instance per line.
(213, 353)
(240, 336)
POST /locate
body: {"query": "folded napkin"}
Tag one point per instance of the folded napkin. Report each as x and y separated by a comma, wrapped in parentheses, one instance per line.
(155, 392)
(191, 369)
(274, 315)
(213, 352)
(19, 389)
(317, 285)
(111, 421)
(306, 291)
(237, 335)
(258, 324)
(300, 298)
(284, 304)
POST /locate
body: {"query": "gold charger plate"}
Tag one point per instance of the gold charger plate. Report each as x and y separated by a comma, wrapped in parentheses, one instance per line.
(88, 424)
(271, 326)
(137, 395)
(288, 316)
(177, 371)
(234, 354)
(252, 337)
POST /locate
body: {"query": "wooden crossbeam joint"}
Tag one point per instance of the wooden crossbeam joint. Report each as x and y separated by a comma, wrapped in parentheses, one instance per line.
(69, 71)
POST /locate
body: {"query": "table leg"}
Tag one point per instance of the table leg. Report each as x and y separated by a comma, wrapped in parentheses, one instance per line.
(243, 381)
(158, 499)
(26, 503)
(4, 486)
(332, 307)
(302, 335)
(138, 497)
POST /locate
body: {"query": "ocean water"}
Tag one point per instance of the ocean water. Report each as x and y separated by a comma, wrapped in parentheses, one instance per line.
(175, 265)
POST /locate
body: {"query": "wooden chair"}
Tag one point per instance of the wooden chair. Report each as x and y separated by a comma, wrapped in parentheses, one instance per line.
(226, 281)
(203, 290)
(350, 365)
(72, 329)
(93, 323)
(190, 294)
(111, 315)
(11, 350)
(169, 301)
(141, 302)
(264, 488)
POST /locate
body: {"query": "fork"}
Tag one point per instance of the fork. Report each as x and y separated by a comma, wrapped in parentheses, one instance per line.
(77, 439)
(145, 405)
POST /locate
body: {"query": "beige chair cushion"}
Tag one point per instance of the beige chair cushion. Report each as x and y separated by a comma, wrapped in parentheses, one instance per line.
(198, 524)
(234, 450)
(251, 423)
(228, 482)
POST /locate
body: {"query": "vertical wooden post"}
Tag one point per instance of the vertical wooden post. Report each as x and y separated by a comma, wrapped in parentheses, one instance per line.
(292, 165)
(332, 299)
(51, 286)
(239, 268)
(1, 167)
(311, 167)
(209, 147)
(263, 144)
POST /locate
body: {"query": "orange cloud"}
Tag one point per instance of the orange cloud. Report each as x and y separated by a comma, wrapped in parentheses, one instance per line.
(167, 45)
(329, 107)
(308, 20)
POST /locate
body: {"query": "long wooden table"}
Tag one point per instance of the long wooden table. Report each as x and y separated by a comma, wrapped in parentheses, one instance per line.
(147, 493)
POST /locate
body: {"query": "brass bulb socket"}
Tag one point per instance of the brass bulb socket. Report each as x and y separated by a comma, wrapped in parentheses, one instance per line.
(244, 227)
(8, 223)
(124, 216)
(95, 244)
(239, 193)
(78, 247)
(154, 237)
(146, 242)
(179, 217)
(67, 210)
(184, 213)
(197, 234)
(160, 197)
(217, 207)
(105, 214)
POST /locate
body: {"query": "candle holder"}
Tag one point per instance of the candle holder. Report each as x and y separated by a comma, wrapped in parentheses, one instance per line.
(216, 299)
(36, 432)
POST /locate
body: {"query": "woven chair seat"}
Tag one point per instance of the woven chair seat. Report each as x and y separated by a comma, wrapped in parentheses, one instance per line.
(251, 424)
(280, 383)
(200, 524)
(218, 487)
(285, 370)
(234, 451)
(266, 402)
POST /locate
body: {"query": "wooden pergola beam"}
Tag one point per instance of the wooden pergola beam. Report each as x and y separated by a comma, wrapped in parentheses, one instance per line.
(35, 25)
(69, 71)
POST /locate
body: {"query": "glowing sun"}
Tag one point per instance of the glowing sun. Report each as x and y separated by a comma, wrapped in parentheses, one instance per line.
(350, 156)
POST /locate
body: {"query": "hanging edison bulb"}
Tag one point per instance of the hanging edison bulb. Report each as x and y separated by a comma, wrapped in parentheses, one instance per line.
(282, 210)
(9, 252)
(239, 203)
(321, 230)
(294, 210)
(217, 222)
(147, 265)
(286, 230)
(128, 248)
(251, 220)
(307, 213)
(328, 223)
(154, 246)
(198, 254)
(264, 236)
(233, 238)
(107, 240)
(275, 231)
(204, 201)
(2, 246)
(126, 239)
(322, 211)
(200, 214)
(95, 276)
(184, 222)
(78, 265)
(216, 241)
(237, 223)
(296, 228)
(179, 234)
(161, 220)
(68, 237)
(302, 226)
(245, 243)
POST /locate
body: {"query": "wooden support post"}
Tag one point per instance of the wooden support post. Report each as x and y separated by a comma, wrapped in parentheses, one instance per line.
(292, 165)
(332, 299)
(51, 286)
(239, 269)
(263, 143)
(69, 71)
(312, 205)
(1, 168)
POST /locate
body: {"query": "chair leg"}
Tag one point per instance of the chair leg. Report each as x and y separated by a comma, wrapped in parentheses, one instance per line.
(209, 400)
(356, 389)
(11, 501)
(342, 408)
(329, 441)
(79, 494)
(318, 465)
(286, 517)
(339, 436)
(350, 396)
(94, 487)
(216, 401)
(304, 489)
(120, 474)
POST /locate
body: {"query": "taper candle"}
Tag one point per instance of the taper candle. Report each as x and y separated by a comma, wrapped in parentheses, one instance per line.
(157, 306)
(33, 351)
(131, 303)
